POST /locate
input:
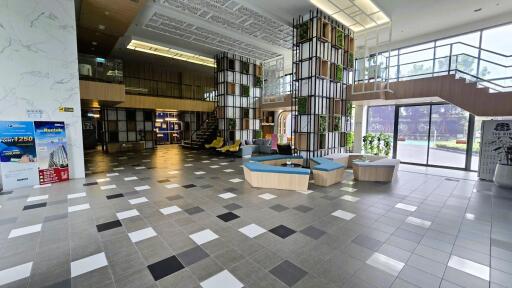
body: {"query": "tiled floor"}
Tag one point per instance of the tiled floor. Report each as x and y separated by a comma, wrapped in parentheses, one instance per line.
(148, 220)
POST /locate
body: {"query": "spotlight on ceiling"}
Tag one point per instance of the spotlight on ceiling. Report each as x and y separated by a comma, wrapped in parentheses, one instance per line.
(171, 53)
(356, 14)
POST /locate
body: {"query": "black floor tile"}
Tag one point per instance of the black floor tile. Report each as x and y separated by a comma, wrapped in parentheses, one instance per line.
(194, 210)
(5, 193)
(174, 197)
(91, 184)
(282, 231)
(114, 196)
(288, 273)
(35, 206)
(163, 181)
(164, 268)
(108, 225)
(226, 217)
(232, 207)
(188, 186)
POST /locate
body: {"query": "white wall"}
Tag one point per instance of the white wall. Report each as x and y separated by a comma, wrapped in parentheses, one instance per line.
(39, 67)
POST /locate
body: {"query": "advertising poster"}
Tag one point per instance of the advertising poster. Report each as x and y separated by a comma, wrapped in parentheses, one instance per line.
(496, 142)
(18, 159)
(51, 151)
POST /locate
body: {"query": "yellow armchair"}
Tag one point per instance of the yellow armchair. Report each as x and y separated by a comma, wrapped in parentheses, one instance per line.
(217, 143)
(230, 148)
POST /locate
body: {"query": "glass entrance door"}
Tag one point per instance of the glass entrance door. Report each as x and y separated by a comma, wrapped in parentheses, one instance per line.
(413, 134)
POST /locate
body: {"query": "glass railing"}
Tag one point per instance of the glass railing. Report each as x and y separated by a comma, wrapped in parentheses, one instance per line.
(484, 67)
(95, 68)
(149, 87)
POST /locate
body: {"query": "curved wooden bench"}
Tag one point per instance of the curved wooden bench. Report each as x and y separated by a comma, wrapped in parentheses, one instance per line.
(269, 176)
(379, 171)
(327, 172)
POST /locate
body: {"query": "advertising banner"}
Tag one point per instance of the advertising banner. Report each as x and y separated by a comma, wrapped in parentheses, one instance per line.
(496, 141)
(18, 157)
(51, 151)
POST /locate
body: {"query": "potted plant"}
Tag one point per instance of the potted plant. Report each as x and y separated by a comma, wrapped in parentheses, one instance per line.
(302, 103)
(337, 123)
(303, 31)
(322, 124)
(350, 141)
(246, 90)
(503, 173)
(231, 124)
(259, 81)
(386, 143)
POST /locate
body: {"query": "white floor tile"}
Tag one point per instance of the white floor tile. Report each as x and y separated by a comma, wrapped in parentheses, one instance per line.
(122, 158)
(348, 182)
(130, 178)
(252, 230)
(306, 192)
(78, 207)
(170, 186)
(214, 166)
(406, 207)
(348, 189)
(42, 186)
(222, 280)
(15, 273)
(349, 198)
(385, 263)
(236, 180)
(107, 187)
(102, 180)
(146, 160)
(77, 195)
(204, 236)
(112, 174)
(418, 222)
(343, 214)
(199, 172)
(170, 210)
(25, 230)
(118, 168)
(138, 200)
(142, 234)
(140, 167)
(127, 214)
(189, 159)
(37, 198)
(88, 264)
(188, 165)
(173, 172)
(223, 163)
(205, 161)
(140, 188)
(469, 267)
(267, 196)
(228, 170)
(227, 195)
(469, 216)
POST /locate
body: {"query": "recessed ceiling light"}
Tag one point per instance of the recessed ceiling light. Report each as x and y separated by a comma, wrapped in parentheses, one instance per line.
(107, 13)
(171, 53)
(101, 27)
(94, 43)
(356, 14)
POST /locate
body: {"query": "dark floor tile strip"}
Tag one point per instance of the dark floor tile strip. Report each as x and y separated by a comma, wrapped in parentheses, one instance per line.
(34, 206)
(108, 225)
(166, 267)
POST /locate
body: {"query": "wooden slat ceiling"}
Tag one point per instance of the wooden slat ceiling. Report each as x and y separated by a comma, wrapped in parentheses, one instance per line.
(114, 16)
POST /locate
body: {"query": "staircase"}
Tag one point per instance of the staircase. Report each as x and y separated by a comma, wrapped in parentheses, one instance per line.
(203, 136)
(464, 93)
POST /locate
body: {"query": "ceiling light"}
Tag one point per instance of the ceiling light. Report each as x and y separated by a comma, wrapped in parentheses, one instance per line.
(171, 53)
(355, 14)
(107, 13)
(94, 43)
(101, 27)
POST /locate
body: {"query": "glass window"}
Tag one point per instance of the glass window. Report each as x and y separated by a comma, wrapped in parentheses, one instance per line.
(448, 136)
(381, 119)
(412, 138)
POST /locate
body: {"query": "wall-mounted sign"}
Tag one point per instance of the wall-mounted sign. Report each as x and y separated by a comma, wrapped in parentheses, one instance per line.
(495, 140)
(66, 109)
(52, 151)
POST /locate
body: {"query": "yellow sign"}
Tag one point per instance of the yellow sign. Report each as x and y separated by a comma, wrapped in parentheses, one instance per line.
(66, 109)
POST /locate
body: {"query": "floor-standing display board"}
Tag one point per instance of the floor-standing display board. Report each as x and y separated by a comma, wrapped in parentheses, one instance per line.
(32, 153)
(53, 165)
(496, 138)
(18, 166)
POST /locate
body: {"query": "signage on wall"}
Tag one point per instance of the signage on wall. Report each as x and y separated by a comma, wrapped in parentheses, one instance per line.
(496, 136)
(66, 109)
(18, 157)
(52, 151)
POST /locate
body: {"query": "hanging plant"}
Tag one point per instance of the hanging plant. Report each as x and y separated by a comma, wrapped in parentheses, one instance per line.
(303, 31)
(337, 123)
(302, 104)
(231, 124)
(340, 37)
(322, 124)
(350, 141)
(245, 91)
(339, 73)
(259, 81)
(350, 63)
(257, 134)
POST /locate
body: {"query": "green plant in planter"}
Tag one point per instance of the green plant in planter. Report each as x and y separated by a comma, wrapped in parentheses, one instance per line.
(339, 72)
(322, 124)
(340, 37)
(369, 144)
(245, 67)
(349, 109)
(350, 141)
(257, 134)
(337, 123)
(231, 124)
(386, 143)
(245, 91)
(302, 105)
(378, 147)
(303, 31)
(259, 81)
(350, 63)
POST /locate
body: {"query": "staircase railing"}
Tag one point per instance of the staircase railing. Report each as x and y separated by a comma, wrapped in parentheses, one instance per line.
(484, 67)
(203, 125)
